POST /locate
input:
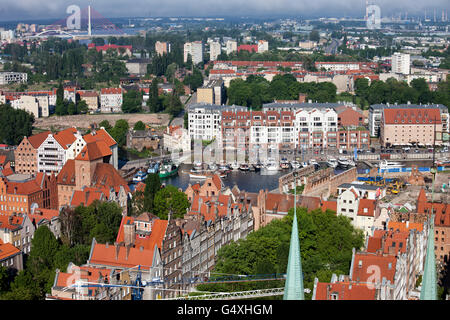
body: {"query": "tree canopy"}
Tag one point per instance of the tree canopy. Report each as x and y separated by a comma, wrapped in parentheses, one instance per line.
(326, 243)
(14, 124)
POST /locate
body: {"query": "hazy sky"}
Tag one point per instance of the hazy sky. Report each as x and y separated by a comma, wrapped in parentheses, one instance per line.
(44, 9)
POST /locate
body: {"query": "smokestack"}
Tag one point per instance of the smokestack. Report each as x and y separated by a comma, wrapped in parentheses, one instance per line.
(89, 20)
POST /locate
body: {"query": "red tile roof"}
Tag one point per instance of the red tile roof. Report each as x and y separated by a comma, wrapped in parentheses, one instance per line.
(37, 139)
(66, 137)
(99, 135)
(111, 91)
(366, 207)
(7, 250)
(93, 151)
(105, 175)
(405, 226)
(67, 174)
(102, 255)
(345, 291)
(86, 196)
(412, 116)
(329, 205)
(364, 265)
(10, 222)
(41, 214)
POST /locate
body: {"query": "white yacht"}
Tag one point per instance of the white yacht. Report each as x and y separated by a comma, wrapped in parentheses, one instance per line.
(295, 164)
(312, 162)
(271, 165)
(343, 162)
(304, 164)
(235, 166)
(331, 162)
(385, 164)
(212, 167)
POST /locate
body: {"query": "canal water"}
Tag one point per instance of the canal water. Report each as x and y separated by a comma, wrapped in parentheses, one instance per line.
(248, 181)
(255, 181)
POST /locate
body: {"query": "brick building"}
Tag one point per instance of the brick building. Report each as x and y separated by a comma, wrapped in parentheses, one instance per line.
(18, 195)
(26, 153)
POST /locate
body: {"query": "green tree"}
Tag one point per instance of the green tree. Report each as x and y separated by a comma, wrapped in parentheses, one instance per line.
(14, 124)
(326, 243)
(119, 132)
(132, 102)
(152, 186)
(154, 101)
(82, 107)
(139, 126)
(170, 199)
(105, 124)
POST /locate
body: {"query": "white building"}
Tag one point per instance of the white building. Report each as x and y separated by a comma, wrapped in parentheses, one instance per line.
(231, 46)
(400, 63)
(111, 100)
(7, 35)
(360, 211)
(195, 49)
(215, 50)
(176, 138)
(263, 46)
(26, 103)
(13, 77)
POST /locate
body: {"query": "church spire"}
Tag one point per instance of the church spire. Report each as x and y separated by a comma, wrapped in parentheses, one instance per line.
(429, 281)
(293, 289)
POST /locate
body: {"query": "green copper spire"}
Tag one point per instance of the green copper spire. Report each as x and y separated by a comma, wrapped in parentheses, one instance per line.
(293, 288)
(429, 281)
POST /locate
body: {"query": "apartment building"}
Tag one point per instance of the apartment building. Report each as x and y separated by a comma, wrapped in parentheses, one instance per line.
(90, 97)
(376, 111)
(402, 126)
(263, 46)
(231, 46)
(111, 100)
(13, 77)
(400, 63)
(27, 103)
(162, 48)
(215, 49)
(147, 230)
(212, 92)
(299, 125)
(195, 49)
(205, 120)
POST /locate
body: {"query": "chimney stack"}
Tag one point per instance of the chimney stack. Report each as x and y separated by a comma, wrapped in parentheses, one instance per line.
(117, 247)
(129, 233)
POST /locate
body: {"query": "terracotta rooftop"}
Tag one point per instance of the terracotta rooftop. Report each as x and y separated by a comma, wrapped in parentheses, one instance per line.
(37, 139)
(116, 256)
(93, 151)
(67, 174)
(98, 135)
(413, 116)
(344, 291)
(86, 196)
(66, 137)
(7, 250)
(362, 262)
